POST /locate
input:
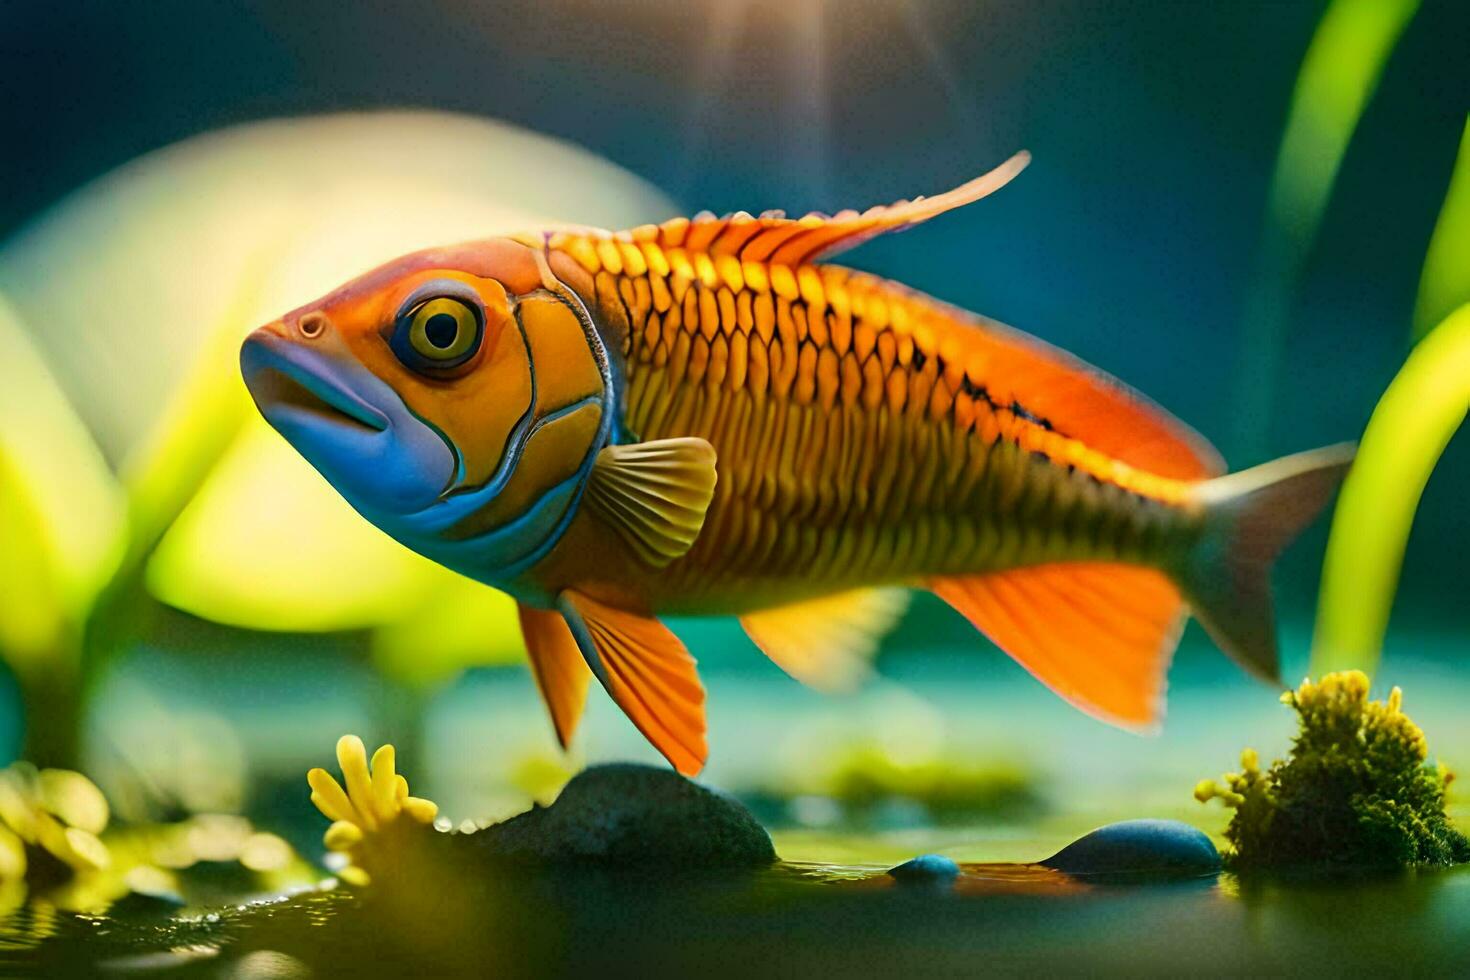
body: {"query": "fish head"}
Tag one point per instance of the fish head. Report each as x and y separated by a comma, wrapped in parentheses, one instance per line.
(414, 384)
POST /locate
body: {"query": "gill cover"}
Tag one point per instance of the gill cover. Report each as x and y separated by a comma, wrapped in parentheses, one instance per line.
(511, 501)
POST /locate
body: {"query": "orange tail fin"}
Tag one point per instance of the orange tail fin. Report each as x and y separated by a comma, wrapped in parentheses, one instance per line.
(1101, 634)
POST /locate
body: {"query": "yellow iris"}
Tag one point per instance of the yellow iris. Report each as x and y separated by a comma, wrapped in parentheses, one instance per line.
(443, 329)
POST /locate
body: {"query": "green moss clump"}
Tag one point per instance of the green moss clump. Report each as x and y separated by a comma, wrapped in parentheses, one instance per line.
(1357, 790)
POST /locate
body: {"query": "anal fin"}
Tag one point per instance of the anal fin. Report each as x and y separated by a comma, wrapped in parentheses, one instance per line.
(647, 672)
(827, 643)
(1099, 634)
(556, 663)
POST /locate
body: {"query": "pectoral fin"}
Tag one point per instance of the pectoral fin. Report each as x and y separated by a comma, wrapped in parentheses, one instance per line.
(829, 642)
(556, 663)
(1099, 634)
(654, 494)
(647, 671)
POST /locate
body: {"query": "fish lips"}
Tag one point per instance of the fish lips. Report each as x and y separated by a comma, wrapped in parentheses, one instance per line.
(348, 424)
(297, 387)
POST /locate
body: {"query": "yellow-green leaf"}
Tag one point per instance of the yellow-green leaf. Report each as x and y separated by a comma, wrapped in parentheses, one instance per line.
(1339, 73)
(32, 614)
(459, 623)
(1445, 282)
(1420, 411)
(74, 506)
(268, 543)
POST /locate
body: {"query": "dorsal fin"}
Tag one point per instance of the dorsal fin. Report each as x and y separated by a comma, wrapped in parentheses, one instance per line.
(827, 643)
(779, 240)
(1082, 402)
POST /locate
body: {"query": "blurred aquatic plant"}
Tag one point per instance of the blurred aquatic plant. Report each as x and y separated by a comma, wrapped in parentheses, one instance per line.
(180, 761)
(1339, 74)
(58, 844)
(61, 524)
(1445, 282)
(51, 821)
(1357, 790)
(1413, 422)
(948, 788)
(185, 496)
(206, 859)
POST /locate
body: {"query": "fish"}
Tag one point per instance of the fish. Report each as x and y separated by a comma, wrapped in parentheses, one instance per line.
(705, 417)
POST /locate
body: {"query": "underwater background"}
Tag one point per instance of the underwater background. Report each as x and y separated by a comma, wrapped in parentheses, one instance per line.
(1257, 262)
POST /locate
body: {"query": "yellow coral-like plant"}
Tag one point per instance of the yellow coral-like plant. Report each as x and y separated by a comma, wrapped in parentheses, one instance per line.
(1234, 789)
(368, 826)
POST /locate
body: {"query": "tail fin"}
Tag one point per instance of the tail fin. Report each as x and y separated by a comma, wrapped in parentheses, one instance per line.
(1250, 517)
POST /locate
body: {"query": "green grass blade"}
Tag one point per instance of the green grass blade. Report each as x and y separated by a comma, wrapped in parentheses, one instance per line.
(1445, 282)
(1338, 77)
(1420, 411)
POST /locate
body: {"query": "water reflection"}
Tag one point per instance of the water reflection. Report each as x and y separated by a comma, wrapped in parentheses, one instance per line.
(465, 920)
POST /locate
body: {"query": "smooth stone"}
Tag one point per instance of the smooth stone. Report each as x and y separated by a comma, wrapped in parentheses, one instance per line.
(1158, 848)
(926, 868)
(627, 814)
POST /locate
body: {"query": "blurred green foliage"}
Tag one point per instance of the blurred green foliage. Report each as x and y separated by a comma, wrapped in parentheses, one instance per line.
(31, 615)
(950, 789)
(1339, 74)
(1420, 411)
(1445, 282)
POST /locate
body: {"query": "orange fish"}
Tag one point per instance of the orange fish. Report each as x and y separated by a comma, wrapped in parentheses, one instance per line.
(700, 418)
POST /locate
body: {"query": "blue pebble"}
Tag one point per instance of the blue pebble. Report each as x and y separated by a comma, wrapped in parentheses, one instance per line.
(927, 868)
(1156, 848)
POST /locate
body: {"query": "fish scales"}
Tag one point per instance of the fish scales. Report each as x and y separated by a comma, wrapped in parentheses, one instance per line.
(925, 442)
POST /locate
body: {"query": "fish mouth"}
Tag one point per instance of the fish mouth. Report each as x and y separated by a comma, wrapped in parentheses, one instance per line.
(291, 383)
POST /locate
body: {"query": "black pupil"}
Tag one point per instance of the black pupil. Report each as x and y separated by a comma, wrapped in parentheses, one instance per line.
(441, 330)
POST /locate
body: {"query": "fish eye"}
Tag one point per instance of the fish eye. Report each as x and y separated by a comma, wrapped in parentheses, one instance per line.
(438, 334)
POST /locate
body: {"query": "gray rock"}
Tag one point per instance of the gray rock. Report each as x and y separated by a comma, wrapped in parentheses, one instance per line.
(935, 869)
(625, 814)
(1152, 848)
